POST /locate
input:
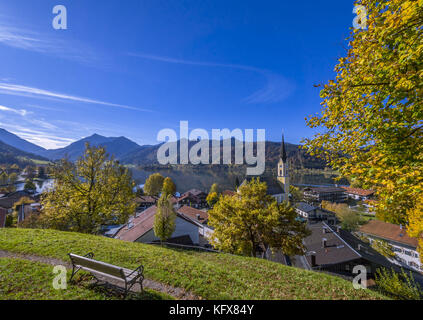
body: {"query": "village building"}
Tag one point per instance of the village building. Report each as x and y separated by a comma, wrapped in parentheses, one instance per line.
(190, 227)
(319, 194)
(404, 247)
(337, 251)
(358, 194)
(193, 198)
(144, 202)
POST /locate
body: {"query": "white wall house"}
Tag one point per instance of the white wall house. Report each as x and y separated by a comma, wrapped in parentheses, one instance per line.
(182, 228)
(404, 247)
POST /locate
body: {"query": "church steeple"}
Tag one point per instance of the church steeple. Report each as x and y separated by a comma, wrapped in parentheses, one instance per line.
(283, 172)
(283, 151)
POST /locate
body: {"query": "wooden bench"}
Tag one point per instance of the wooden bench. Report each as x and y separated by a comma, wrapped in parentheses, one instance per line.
(99, 268)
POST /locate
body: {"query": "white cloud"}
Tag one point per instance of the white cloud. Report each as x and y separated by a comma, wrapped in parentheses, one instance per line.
(21, 112)
(15, 89)
(277, 87)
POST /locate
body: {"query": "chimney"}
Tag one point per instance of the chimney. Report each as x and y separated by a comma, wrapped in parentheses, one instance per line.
(198, 216)
(359, 247)
(338, 229)
(324, 240)
(313, 260)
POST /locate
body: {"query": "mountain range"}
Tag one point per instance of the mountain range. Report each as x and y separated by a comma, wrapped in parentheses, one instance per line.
(129, 152)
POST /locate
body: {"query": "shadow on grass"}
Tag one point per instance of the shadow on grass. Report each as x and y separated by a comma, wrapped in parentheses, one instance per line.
(115, 292)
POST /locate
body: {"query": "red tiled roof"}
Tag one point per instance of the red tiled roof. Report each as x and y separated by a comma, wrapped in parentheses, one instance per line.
(146, 199)
(186, 196)
(144, 223)
(194, 192)
(359, 192)
(192, 213)
(3, 214)
(229, 193)
(388, 231)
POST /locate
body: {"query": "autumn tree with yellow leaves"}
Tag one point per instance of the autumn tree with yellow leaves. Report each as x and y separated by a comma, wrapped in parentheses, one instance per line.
(253, 220)
(94, 191)
(372, 112)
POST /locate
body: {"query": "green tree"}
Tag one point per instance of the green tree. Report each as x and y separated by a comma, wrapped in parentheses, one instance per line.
(214, 188)
(4, 179)
(255, 220)
(97, 190)
(164, 220)
(29, 185)
(41, 172)
(401, 286)
(169, 187)
(13, 177)
(212, 198)
(350, 219)
(296, 193)
(154, 184)
(236, 183)
(372, 117)
(139, 191)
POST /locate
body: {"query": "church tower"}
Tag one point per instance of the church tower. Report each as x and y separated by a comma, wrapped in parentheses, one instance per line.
(283, 172)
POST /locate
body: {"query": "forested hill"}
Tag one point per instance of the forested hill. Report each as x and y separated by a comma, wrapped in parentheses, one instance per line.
(297, 157)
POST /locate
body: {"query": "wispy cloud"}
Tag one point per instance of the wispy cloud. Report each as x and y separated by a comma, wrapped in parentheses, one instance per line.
(277, 87)
(31, 40)
(21, 112)
(14, 89)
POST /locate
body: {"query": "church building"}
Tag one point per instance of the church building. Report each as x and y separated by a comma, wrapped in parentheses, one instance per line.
(278, 186)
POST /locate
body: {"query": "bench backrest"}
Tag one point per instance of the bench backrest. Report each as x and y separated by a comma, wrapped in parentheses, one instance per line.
(99, 266)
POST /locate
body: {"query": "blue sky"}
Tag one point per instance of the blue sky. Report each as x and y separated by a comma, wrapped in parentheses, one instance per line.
(132, 68)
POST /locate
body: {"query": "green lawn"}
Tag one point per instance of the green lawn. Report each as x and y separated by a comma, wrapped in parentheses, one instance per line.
(29, 280)
(209, 275)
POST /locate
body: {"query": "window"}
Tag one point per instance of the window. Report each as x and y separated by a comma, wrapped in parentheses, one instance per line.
(408, 253)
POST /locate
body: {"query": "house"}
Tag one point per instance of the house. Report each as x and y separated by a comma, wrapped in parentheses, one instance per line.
(3, 215)
(194, 214)
(309, 212)
(305, 210)
(318, 194)
(336, 251)
(144, 202)
(404, 247)
(25, 210)
(228, 193)
(10, 199)
(358, 194)
(196, 200)
(141, 228)
(199, 196)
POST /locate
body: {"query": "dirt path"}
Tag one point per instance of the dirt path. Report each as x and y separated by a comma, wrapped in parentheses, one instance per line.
(177, 293)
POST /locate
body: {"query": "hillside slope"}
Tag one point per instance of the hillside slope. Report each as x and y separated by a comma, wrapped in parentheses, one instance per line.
(10, 155)
(19, 143)
(209, 275)
(117, 146)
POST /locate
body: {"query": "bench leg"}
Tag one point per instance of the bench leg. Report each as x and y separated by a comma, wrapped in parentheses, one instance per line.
(73, 272)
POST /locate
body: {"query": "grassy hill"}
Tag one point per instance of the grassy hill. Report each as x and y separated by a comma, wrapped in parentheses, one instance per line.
(209, 275)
